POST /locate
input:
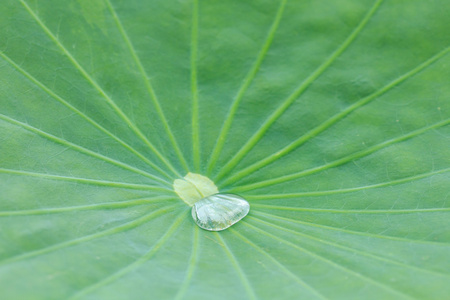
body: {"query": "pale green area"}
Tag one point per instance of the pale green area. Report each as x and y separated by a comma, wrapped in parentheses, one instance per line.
(94, 13)
(330, 117)
(194, 187)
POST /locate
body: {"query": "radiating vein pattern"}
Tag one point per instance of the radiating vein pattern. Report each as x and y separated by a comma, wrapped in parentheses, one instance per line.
(286, 270)
(80, 149)
(330, 117)
(83, 115)
(192, 264)
(354, 232)
(247, 81)
(344, 160)
(333, 264)
(112, 205)
(100, 90)
(86, 180)
(303, 86)
(117, 229)
(196, 151)
(370, 256)
(248, 288)
(148, 86)
(317, 130)
(139, 262)
(347, 190)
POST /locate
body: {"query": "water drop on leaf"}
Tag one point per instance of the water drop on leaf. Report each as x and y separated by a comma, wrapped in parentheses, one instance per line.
(220, 211)
(211, 210)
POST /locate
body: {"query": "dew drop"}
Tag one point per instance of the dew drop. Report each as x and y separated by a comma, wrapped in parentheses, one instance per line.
(219, 211)
(211, 210)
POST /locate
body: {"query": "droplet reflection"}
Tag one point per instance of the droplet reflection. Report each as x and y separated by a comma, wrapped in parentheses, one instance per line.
(219, 211)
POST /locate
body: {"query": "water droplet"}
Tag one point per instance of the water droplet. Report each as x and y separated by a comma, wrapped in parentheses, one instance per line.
(220, 211)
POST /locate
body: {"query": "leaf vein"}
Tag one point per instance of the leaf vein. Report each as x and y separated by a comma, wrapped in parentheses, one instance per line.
(148, 84)
(341, 161)
(194, 88)
(347, 248)
(245, 282)
(240, 94)
(83, 150)
(136, 264)
(336, 265)
(107, 205)
(281, 266)
(114, 230)
(366, 234)
(355, 211)
(257, 136)
(346, 190)
(192, 265)
(116, 108)
(333, 120)
(87, 180)
(83, 115)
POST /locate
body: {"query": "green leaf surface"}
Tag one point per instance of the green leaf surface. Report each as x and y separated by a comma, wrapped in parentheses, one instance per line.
(330, 117)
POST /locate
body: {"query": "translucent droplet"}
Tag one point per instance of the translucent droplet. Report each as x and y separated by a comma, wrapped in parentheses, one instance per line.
(220, 211)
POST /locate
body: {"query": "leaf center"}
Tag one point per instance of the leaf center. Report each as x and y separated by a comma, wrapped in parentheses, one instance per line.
(194, 187)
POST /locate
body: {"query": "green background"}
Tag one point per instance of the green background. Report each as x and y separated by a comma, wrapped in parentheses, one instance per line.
(330, 117)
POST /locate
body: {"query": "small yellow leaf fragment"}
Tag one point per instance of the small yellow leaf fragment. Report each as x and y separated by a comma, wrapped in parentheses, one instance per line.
(186, 191)
(205, 186)
(194, 187)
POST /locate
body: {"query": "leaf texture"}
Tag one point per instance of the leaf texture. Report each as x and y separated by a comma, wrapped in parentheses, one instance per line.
(330, 117)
